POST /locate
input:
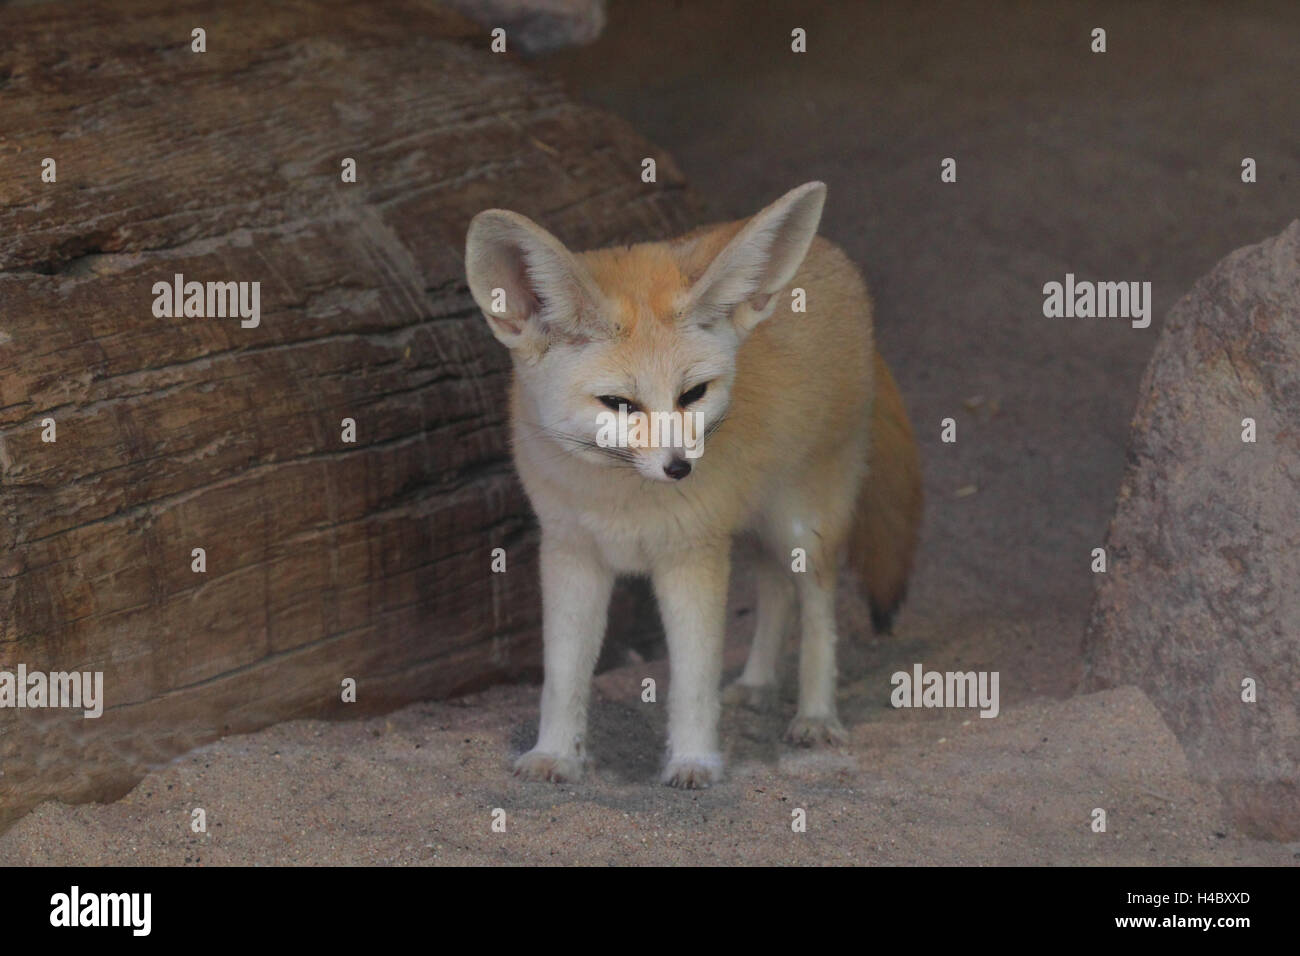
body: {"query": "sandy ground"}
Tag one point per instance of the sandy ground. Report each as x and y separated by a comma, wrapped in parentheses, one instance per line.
(420, 786)
(1122, 167)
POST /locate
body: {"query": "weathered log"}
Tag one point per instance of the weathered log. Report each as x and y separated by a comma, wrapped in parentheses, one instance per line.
(324, 559)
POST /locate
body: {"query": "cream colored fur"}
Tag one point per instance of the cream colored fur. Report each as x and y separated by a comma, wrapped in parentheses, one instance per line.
(785, 466)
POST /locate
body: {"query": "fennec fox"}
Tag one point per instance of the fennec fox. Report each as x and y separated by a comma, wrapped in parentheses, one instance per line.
(791, 432)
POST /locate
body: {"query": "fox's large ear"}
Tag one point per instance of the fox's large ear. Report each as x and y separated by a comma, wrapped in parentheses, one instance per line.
(742, 282)
(529, 286)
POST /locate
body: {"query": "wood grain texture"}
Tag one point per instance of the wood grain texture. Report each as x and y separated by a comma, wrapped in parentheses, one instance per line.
(325, 560)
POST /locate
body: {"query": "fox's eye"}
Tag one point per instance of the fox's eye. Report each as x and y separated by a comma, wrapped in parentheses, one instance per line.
(693, 395)
(614, 402)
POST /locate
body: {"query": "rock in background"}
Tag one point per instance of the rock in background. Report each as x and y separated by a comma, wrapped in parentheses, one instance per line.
(1203, 586)
(538, 26)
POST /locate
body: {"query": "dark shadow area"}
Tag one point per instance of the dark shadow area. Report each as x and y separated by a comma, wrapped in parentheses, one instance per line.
(1120, 166)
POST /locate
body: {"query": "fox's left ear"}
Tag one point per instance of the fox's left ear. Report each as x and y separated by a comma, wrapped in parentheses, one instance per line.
(742, 282)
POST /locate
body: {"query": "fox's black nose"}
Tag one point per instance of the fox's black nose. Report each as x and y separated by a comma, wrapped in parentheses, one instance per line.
(677, 469)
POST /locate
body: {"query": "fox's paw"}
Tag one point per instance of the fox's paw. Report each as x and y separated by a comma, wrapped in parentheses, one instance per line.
(694, 773)
(760, 697)
(816, 732)
(537, 765)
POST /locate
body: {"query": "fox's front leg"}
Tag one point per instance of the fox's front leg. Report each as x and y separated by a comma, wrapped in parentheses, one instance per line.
(576, 587)
(691, 587)
(816, 721)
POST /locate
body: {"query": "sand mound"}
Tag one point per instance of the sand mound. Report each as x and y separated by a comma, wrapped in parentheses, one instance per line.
(419, 787)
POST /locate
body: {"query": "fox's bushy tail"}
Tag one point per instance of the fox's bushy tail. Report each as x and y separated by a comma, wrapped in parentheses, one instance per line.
(888, 516)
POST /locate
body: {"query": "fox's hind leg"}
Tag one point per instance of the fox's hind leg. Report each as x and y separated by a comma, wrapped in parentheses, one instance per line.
(756, 686)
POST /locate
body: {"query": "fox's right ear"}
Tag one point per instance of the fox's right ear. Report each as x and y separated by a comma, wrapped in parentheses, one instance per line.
(525, 281)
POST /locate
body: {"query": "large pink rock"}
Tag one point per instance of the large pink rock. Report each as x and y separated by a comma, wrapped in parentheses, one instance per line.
(1203, 588)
